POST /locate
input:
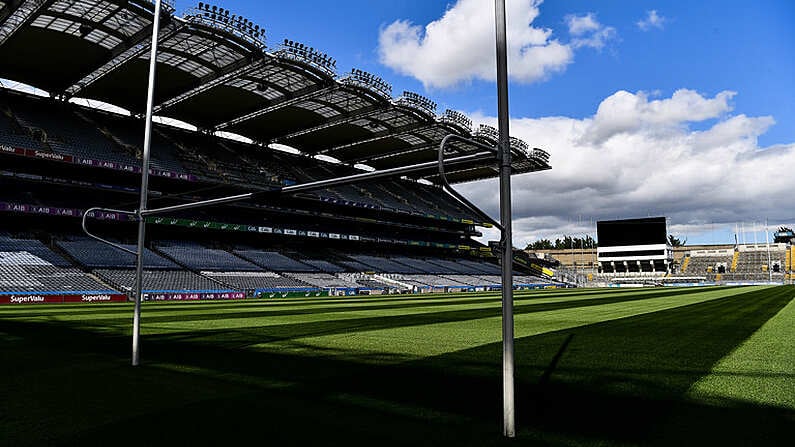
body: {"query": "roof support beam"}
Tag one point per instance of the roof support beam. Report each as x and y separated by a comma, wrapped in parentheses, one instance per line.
(9, 6)
(375, 157)
(24, 13)
(301, 95)
(396, 132)
(132, 50)
(366, 111)
(236, 70)
(84, 21)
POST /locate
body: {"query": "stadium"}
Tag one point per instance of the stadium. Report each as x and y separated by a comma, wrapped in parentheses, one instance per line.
(358, 313)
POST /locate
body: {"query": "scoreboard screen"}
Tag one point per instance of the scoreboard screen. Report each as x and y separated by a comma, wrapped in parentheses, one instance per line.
(648, 231)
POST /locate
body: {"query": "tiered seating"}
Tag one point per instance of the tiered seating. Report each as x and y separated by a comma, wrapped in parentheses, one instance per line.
(161, 280)
(29, 266)
(35, 248)
(257, 280)
(432, 281)
(373, 284)
(367, 281)
(324, 266)
(709, 263)
(47, 278)
(746, 263)
(380, 264)
(491, 280)
(13, 135)
(67, 133)
(754, 264)
(481, 267)
(129, 133)
(274, 261)
(526, 279)
(356, 266)
(463, 279)
(324, 280)
(419, 264)
(452, 267)
(197, 257)
(390, 198)
(94, 254)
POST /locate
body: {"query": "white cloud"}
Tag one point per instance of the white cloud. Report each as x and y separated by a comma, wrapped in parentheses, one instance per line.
(626, 112)
(579, 25)
(637, 157)
(652, 20)
(460, 45)
(588, 32)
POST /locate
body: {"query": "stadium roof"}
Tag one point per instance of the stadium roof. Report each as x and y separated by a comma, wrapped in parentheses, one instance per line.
(215, 72)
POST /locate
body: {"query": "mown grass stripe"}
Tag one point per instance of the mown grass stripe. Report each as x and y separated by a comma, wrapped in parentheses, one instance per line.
(441, 337)
(761, 370)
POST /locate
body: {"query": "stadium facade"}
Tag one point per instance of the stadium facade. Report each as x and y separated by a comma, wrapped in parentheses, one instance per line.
(217, 74)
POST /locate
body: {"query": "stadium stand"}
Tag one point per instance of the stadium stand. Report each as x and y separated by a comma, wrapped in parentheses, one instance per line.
(60, 154)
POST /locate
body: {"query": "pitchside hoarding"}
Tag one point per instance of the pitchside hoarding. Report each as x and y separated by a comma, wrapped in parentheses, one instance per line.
(42, 298)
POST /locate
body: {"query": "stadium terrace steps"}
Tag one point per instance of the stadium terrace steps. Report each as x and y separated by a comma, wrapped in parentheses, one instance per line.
(323, 266)
(384, 265)
(33, 247)
(46, 278)
(198, 258)
(27, 266)
(257, 280)
(324, 280)
(274, 261)
(685, 263)
(160, 280)
(94, 254)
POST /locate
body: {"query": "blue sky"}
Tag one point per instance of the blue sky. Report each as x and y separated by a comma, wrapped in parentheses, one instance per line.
(676, 108)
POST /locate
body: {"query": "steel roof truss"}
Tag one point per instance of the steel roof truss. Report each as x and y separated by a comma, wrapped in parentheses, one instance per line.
(237, 70)
(396, 133)
(133, 50)
(362, 113)
(428, 147)
(81, 20)
(286, 102)
(24, 13)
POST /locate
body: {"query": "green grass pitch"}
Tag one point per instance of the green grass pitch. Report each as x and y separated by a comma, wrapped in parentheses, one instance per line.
(680, 366)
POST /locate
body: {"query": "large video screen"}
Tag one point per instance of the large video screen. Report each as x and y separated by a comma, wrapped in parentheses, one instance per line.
(612, 233)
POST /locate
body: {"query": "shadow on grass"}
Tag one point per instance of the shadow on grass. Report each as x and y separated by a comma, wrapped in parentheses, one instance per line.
(620, 381)
(239, 337)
